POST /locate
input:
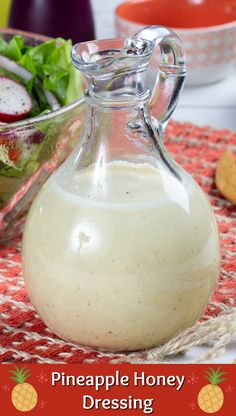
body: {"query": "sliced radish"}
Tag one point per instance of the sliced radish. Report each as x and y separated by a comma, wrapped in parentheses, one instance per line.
(51, 99)
(15, 68)
(26, 75)
(15, 102)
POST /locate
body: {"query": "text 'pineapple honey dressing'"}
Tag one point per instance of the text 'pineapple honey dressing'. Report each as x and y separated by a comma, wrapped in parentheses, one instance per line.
(122, 262)
(110, 381)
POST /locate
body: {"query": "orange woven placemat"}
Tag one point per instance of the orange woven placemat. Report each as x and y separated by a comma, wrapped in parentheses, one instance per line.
(24, 337)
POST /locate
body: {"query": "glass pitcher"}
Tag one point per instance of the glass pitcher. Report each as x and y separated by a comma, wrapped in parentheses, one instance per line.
(121, 248)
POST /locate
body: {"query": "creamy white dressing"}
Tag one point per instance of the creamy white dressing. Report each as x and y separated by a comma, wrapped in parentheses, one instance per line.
(121, 259)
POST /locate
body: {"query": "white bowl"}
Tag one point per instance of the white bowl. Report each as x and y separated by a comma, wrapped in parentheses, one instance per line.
(210, 51)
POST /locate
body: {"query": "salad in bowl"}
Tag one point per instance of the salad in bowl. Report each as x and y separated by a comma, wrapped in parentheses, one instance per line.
(41, 116)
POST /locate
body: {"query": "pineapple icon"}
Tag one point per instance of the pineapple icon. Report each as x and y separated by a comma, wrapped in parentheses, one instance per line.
(24, 396)
(211, 396)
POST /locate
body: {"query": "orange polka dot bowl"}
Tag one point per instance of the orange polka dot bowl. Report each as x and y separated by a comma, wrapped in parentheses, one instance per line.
(207, 28)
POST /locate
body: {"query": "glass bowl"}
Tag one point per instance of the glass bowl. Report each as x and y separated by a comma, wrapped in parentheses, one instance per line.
(43, 143)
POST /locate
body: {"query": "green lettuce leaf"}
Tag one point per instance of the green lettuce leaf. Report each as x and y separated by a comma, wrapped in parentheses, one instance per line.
(48, 62)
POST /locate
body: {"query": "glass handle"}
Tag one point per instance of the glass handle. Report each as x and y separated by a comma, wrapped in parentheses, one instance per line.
(171, 74)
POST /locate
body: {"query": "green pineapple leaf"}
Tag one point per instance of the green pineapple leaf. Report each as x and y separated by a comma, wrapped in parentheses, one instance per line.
(215, 376)
(20, 375)
(218, 370)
